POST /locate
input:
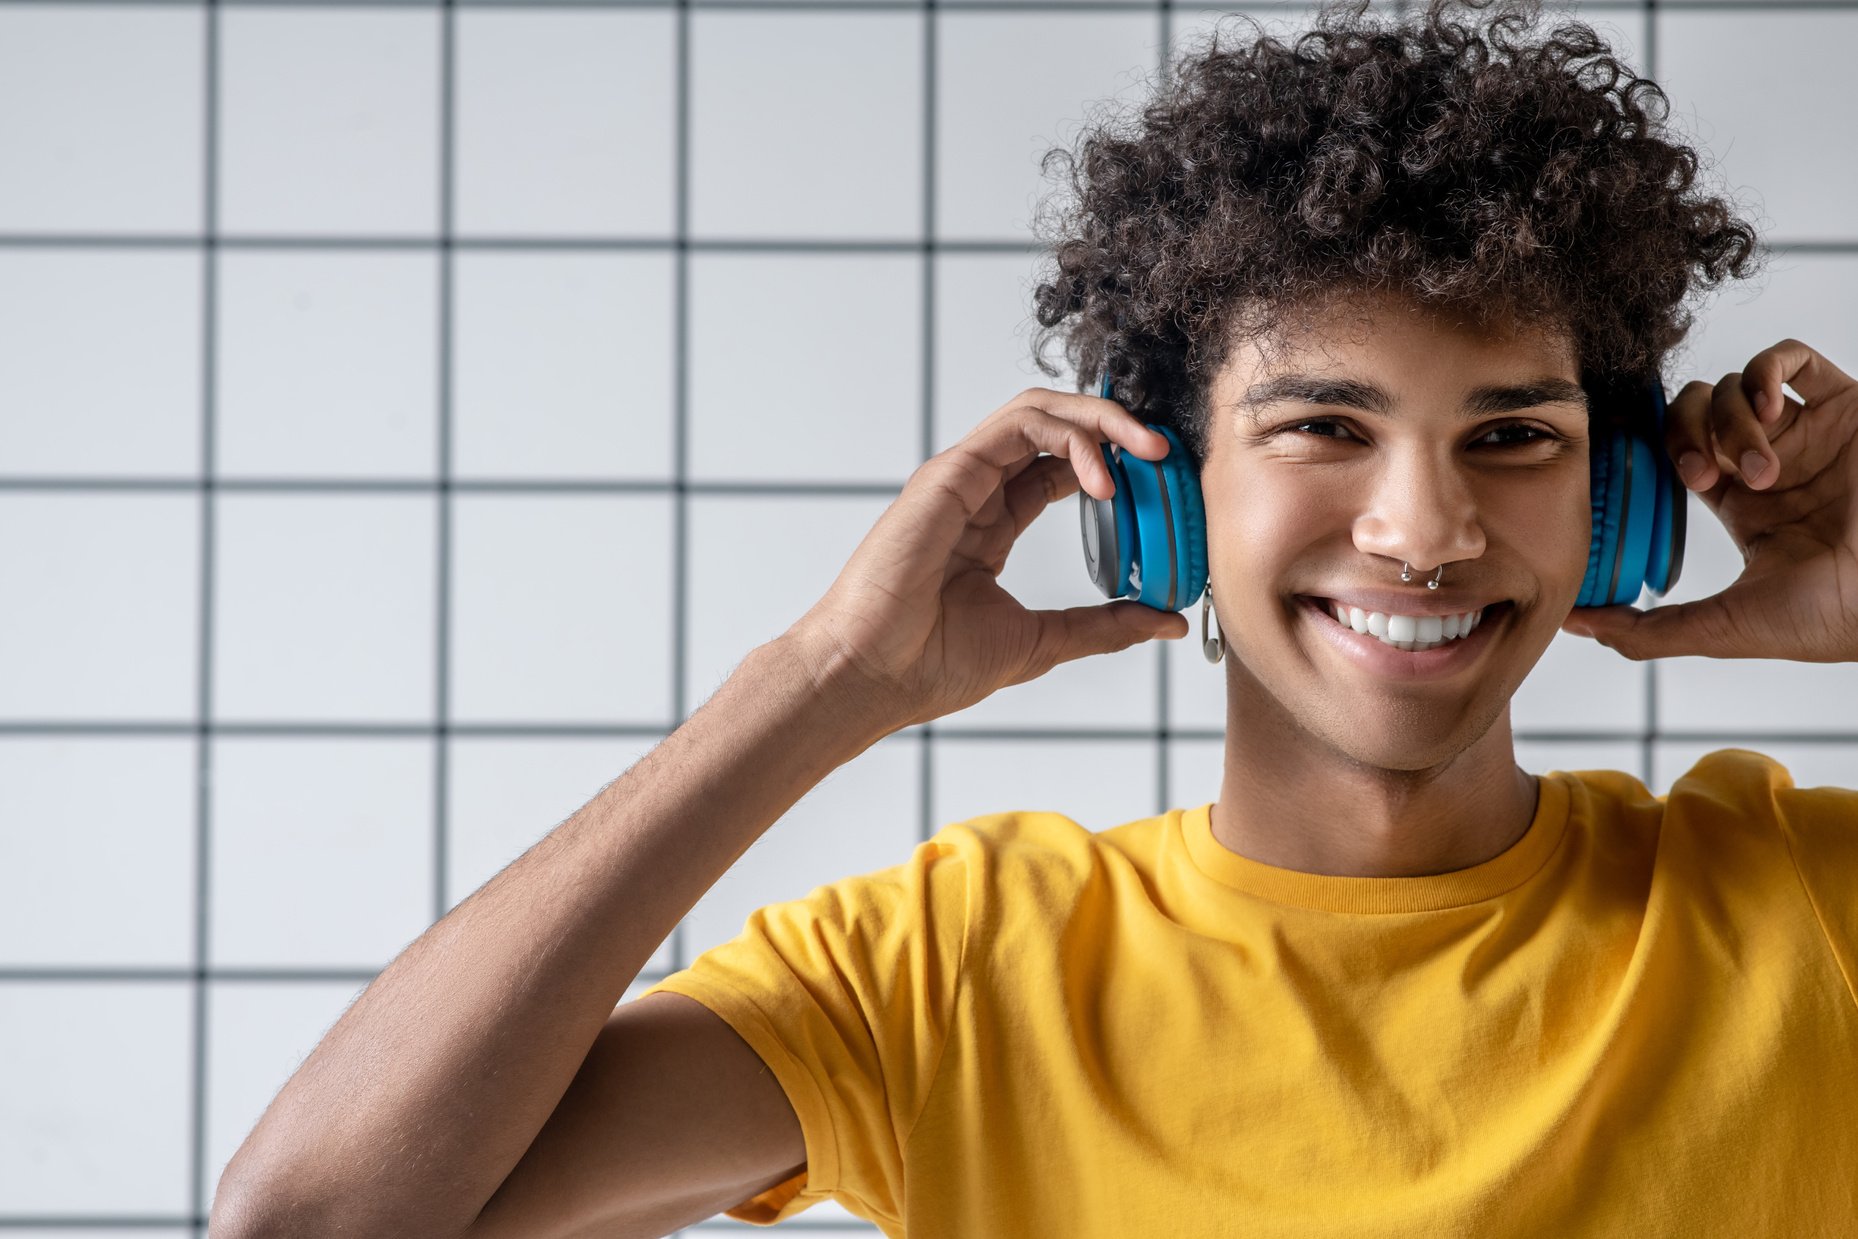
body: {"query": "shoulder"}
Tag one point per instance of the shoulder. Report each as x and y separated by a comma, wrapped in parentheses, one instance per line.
(1728, 787)
(1030, 841)
(1742, 784)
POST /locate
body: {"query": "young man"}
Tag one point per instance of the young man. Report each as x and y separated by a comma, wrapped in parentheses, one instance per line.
(1389, 983)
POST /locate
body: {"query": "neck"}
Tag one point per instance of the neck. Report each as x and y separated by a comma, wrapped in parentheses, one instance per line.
(1294, 803)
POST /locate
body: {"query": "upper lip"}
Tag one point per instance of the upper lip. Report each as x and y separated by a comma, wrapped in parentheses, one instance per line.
(1392, 602)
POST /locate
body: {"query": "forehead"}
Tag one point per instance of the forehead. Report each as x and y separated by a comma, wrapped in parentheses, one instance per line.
(1396, 335)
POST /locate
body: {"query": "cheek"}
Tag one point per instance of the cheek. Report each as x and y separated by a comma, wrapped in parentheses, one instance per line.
(1261, 523)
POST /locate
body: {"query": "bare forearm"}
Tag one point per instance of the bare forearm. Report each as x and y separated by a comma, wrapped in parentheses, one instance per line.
(418, 1103)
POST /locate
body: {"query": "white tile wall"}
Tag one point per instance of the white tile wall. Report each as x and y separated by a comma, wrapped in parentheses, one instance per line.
(97, 1096)
(324, 608)
(658, 457)
(328, 365)
(101, 111)
(560, 608)
(562, 367)
(329, 121)
(1097, 783)
(335, 874)
(1011, 84)
(1765, 97)
(61, 308)
(101, 619)
(103, 879)
(775, 394)
(806, 124)
(561, 123)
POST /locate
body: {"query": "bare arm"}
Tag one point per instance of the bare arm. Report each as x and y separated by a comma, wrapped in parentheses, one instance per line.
(487, 1066)
(415, 1107)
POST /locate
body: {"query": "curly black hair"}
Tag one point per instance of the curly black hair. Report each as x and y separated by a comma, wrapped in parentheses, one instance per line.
(1525, 183)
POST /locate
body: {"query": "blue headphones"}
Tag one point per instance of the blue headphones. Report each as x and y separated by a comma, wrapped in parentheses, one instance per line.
(1148, 541)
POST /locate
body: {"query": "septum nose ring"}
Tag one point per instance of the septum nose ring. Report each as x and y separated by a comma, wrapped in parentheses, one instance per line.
(1406, 574)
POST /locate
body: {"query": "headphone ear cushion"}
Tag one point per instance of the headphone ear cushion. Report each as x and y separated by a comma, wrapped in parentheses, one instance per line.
(1188, 508)
(1667, 550)
(1606, 479)
(1638, 520)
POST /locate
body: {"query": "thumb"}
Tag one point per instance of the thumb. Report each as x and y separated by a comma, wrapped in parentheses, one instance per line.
(1673, 631)
(1078, 632)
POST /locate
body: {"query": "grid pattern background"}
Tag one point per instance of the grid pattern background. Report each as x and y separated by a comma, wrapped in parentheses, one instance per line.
(410, 412)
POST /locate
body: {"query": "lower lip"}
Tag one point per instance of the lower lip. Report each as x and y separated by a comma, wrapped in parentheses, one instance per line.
(1373, 654)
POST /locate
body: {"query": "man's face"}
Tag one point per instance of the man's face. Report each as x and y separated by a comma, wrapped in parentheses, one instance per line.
(1323, 498)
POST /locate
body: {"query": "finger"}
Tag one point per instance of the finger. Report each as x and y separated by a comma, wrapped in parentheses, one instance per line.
(1687, 436)
(1077, 632)
(1795, 364)
(1077, 438)
(948, 492)
(1050, 479)
(1108, 419)
(1740, 439)
(1705, 627)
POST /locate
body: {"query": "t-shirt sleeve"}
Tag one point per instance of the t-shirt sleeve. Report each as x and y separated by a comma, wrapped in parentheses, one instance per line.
(1820, 825)
(847, 996)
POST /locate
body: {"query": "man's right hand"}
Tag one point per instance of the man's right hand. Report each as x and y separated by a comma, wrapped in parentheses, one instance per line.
(917, 625)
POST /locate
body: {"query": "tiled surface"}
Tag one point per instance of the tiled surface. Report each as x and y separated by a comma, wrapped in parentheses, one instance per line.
(298, 157)
(775, 396)
(562, 367)
(659, 457)
(1762, 105)
(779, 148)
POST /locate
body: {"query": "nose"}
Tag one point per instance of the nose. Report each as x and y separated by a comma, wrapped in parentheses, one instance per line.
(1420, 509)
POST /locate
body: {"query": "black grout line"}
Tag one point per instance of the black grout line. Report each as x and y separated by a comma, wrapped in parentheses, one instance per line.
(622, 244)
(564, 731)
(1052, 7)
(1162, 648)
(382, 486)
(1649, 672)
(203, 708)
(1784, 247)
(680, 406)
(925, 740)
(442, 608)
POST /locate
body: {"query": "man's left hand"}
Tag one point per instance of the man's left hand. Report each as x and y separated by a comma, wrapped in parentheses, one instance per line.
(1782, 477)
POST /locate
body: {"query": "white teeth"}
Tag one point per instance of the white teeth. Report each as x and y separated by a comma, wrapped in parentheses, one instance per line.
(1406, 632)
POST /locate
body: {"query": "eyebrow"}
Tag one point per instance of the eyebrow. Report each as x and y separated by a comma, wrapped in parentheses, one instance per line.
(1355, 394)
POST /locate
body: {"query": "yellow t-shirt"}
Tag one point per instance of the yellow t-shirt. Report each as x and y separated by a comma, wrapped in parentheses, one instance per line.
(1640, 1019)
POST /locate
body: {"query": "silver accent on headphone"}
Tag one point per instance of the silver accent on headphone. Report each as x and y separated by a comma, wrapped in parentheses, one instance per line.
(1406, 574)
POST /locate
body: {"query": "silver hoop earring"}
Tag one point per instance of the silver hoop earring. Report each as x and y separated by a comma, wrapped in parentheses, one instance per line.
(1213, 648)
(1406, 574)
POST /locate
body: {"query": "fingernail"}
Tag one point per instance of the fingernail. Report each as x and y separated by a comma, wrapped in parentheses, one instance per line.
(1761, 403)
(1690, 467)
(1754, 464)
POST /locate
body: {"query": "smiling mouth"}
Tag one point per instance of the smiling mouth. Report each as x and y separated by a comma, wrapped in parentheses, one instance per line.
(1441, 633)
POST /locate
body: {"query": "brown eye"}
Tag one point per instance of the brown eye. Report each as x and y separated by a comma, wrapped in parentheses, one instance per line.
(1537, 435)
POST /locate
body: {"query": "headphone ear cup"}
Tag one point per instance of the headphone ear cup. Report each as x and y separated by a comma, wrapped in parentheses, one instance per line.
(1638, 501)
